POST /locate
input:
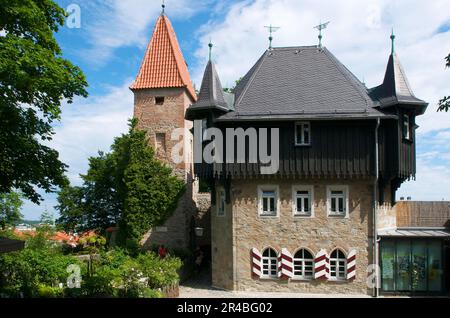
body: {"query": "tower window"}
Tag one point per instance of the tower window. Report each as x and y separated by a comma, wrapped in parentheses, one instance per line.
(159, 100)
(406, 127)
(161, 141)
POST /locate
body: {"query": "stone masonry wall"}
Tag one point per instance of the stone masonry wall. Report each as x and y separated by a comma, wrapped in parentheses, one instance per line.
(157, 119)
(222, 248)
(287, 231)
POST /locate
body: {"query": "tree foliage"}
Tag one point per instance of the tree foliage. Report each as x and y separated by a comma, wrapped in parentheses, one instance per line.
(128, 187)
(444, 103)
(34, 81)
(10, 205)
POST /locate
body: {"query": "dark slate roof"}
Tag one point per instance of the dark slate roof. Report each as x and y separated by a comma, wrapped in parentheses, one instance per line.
(300, 82)
(395, 88)
(211, 94)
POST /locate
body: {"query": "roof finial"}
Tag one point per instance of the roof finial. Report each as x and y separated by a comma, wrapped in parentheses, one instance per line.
(393, 42)
(321, 27)
(210, 45)
(272, 29)
(163, 5)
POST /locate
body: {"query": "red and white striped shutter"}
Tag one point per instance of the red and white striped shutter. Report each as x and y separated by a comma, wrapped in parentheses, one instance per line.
(351, 265)
(256, 263)
(322, 265)
(285, 264)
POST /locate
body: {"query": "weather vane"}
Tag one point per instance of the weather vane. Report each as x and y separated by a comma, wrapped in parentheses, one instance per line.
(320, 27)
(272, 29)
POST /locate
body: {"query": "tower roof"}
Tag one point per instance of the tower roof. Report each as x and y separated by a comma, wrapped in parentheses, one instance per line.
(163, 64)
(395, 88)
(211, 96)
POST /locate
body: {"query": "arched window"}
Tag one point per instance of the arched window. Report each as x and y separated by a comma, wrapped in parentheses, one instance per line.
(269, 263)
(303, 265)
(338, 265)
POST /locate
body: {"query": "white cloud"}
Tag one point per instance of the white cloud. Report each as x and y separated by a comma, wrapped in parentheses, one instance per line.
(90, 125)
(115, 24)
(432, 184)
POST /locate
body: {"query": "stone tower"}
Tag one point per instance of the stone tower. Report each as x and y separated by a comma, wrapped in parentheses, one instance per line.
(162, 92)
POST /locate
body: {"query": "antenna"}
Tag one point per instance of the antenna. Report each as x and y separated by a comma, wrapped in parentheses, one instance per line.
(272, 30)
(163, 5)
(320, 27)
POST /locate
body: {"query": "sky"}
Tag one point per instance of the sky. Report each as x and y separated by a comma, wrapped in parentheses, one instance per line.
(110, 43)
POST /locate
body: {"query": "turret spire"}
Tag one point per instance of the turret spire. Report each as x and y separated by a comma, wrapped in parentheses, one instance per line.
(210, 45)
(393, 42)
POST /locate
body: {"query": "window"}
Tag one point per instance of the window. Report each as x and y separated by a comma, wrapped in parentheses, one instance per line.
(161, 141)
(268, 201)
(406, 127)
(269, 263)
(302, 134)
(337, 201)
(302, 198)
(303, 265)
(221, 203)
(338, 265)
(159, 100)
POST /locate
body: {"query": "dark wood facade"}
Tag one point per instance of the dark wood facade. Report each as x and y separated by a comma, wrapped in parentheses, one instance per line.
(339, 149)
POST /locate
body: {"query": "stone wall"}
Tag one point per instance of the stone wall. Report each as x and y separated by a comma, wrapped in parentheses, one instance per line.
(203, 217)
(163, 119)
(222, 248)
(286, 231)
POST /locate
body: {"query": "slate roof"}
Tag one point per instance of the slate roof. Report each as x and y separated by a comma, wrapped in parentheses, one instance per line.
(211, 95)
(395, 88)
(300, 82)
(163, 64)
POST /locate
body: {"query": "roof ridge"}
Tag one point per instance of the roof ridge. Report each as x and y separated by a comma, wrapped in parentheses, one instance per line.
(339, 66)
(177, 56)
(250, 81)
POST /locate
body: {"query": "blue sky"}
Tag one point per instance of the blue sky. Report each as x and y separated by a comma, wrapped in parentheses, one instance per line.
(113, 36)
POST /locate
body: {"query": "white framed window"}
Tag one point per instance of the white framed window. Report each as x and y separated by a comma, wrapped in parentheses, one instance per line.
(303, 201)
(269, 263)
(303, 134)
(406, 127)
(268, 200)
(303, 265)
(221, 203)
(338, 265)
(337, 201)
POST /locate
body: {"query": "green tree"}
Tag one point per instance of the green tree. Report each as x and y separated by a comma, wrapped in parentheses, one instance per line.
(151, 192)
(127, 186)
(34, 81)
(444, 103)
(71, 207)
(47, 218)
(10, 205)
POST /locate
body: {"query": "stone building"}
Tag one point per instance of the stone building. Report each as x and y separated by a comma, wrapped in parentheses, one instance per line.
(312, 224)
(162, 92)
(343, 151)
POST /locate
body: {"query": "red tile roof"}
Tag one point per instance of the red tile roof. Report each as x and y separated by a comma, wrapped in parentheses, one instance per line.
(163, 64)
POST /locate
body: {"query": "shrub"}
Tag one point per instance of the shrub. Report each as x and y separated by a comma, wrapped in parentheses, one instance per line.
(28, 271)
(160, 272)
